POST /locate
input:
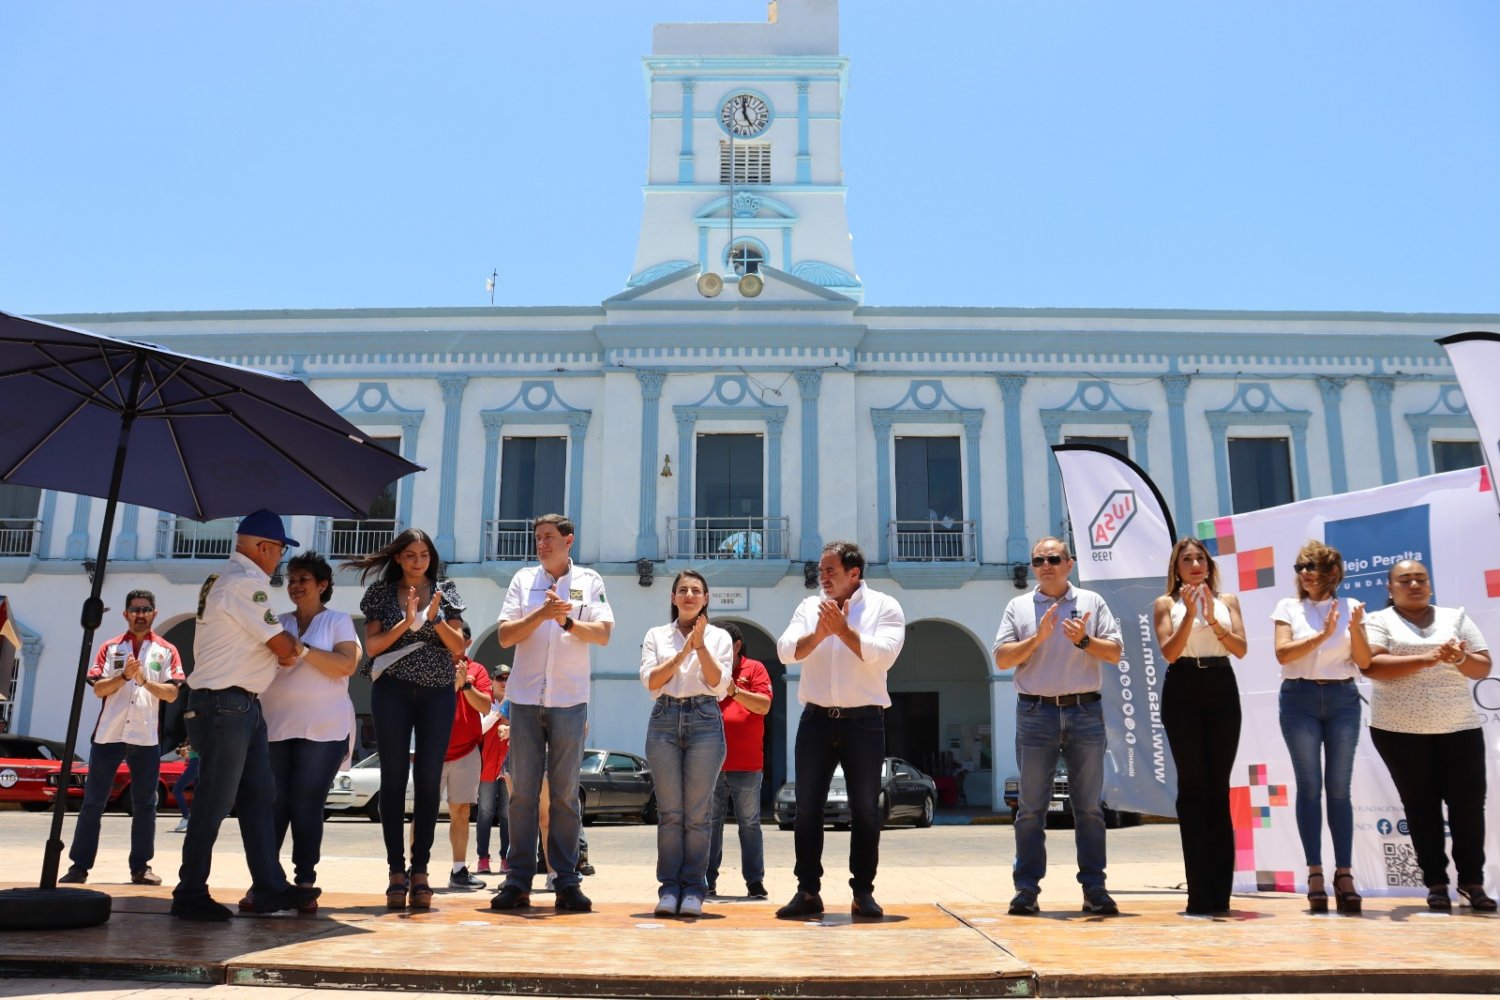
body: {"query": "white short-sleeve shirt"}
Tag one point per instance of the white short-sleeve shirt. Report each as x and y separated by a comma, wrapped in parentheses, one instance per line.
(1437, 699)
(303, 703)
(234, 624)
(1331, 660)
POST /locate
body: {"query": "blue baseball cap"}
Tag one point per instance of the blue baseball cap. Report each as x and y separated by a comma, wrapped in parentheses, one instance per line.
(266, 524)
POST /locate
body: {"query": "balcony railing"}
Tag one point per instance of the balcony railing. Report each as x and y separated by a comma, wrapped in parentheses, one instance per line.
(509, 540)
(19, 537)
(180, 538)
(343, 539)
(932, 541)
(727, 537)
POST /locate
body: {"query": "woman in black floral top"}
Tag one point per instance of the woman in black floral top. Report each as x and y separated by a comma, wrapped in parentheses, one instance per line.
(413, 636)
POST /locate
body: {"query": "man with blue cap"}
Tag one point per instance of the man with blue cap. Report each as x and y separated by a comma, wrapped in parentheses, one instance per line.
(238, 647)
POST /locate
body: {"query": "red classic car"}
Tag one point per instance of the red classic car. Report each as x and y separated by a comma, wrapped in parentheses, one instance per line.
(172, 767)
(26, 764)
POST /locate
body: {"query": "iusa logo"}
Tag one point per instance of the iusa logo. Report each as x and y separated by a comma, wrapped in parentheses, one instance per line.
(1107, 526)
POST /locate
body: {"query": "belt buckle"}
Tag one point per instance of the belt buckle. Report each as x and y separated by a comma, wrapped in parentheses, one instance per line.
(835, 712)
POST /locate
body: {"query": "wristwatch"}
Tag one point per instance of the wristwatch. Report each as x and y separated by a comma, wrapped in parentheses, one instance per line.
(567, 624)
(1084, 642)
(468, 686)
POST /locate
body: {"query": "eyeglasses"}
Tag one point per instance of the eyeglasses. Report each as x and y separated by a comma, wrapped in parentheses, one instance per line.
(140, 611)
(1052, 560)
(280, 546)
(1308, 567)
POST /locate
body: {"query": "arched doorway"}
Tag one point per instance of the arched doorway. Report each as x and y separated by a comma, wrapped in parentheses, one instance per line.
(940, 707)
(760, 646)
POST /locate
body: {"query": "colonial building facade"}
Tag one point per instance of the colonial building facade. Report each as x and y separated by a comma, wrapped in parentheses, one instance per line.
(735, 407)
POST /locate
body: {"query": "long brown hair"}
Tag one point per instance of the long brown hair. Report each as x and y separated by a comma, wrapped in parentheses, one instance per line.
(384, 565)
(1174, 582)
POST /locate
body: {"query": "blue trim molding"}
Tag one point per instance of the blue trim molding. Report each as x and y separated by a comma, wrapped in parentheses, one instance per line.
(1176, 387)
(1332, 389)
(78, 538)
(453, 395)
(810, 383)
(1448, 411)
(1382, 387)
(647, 545)
(1255, 405)
(536, 404)
(804, 154)
(1017, 545)
(685, 152)
(1092, 403)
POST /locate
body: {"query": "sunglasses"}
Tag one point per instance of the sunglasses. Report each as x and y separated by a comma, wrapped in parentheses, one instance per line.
(1050, 560)
(139, 611)
(1309, 567)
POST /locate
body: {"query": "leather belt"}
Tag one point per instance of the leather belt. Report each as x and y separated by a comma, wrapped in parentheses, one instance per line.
(1062, 700)
(1201, 662)
(843, 712)
(1315, 680)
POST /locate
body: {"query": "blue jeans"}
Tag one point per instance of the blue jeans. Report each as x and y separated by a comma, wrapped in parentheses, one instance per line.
(412, 723)
(1045, 733)
(303, 770)
(493, 805)
(855, 741)
(1320, 723)
(188, 782)
(685, 745)
(549, 739)
(741, 789)
(104, 761)
(226, 728)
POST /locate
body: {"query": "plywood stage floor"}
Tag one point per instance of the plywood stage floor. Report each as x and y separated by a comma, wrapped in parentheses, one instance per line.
(739, 949)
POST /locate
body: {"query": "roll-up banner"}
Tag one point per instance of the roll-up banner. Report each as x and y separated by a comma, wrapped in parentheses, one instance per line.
(1475, 357)
(1123, 534)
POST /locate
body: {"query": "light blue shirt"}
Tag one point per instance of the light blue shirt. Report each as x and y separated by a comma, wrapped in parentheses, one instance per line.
(1057, 666)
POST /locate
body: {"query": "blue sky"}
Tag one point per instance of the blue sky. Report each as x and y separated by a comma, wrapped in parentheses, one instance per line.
(1273, 154)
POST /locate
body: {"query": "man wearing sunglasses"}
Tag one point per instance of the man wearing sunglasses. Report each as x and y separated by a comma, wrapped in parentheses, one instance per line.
(1056, 638)
(133, 673)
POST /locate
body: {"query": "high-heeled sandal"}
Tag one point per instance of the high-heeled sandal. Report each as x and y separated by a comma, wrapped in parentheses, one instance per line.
(1438, 899)
(1317, 896)
(421, 892)
(1348, 900)
(395, 893)
(1478, 901)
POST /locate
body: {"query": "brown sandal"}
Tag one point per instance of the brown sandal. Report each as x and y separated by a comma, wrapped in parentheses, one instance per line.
(421, 892)
(1317, 896)
(1349, 900)
(395, 893)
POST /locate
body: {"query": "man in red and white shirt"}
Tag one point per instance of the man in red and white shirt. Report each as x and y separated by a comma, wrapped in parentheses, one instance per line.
(134, 673)
(461, 764)
(745, 708)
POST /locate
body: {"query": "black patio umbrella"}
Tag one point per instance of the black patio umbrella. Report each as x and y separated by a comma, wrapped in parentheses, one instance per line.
(139, 424)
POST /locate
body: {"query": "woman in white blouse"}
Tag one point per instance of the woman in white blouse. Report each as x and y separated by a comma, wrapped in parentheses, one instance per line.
(1423, 662)
(1198, 630)
(1320, 644)
(686, 667)
(309, 717)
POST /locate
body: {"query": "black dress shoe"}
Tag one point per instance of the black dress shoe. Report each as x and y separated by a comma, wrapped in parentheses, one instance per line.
(756, 890)
(74, 876)
(571, 898)
(865, 906)
(291, 898)
(511, 897)
(201, 908)
(803, 904)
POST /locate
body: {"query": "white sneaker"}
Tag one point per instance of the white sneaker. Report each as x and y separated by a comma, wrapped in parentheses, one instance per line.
(666, 906)
(692, 906)
(181, 826)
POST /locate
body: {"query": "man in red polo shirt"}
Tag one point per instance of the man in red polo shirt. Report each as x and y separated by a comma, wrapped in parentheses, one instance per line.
(461, 765)
(744, 709)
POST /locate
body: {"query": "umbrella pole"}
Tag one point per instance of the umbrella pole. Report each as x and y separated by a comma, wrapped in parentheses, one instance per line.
(91, 617)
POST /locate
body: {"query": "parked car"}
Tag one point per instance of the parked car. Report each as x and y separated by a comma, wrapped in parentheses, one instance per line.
(1060, 809)
(906, 795)
(616, 783)
(26, 762)
(611, 783)
(172, 767)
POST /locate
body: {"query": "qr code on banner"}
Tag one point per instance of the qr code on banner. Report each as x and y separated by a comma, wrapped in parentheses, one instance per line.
(1401, 868)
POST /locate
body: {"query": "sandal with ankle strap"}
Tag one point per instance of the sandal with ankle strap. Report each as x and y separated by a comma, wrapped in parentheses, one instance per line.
(421, 892)
(395, 893)
(1478, 901)
(1438, 899)
(1317, 896)
(1349, 900)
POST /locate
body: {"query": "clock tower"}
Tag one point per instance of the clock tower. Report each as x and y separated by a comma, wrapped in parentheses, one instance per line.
(744, 168)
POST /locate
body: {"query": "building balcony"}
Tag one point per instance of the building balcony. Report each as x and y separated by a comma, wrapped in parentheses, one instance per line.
(759, 538)
(347, 539)
(509, 540)
(932, 541)
(19, 537)
(180, 538)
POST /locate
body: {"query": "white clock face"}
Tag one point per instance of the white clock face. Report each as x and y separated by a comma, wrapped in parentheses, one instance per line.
(744, 115)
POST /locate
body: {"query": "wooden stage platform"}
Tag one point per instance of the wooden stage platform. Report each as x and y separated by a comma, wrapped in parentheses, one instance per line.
(738, 949)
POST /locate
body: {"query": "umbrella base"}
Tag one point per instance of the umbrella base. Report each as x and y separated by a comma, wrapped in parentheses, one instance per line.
(52, 909)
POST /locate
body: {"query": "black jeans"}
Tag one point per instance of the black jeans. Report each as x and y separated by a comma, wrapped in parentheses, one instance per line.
(1200, 711)
(1430, 769)
(412, 722)
(857, 742)
(303, 770)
